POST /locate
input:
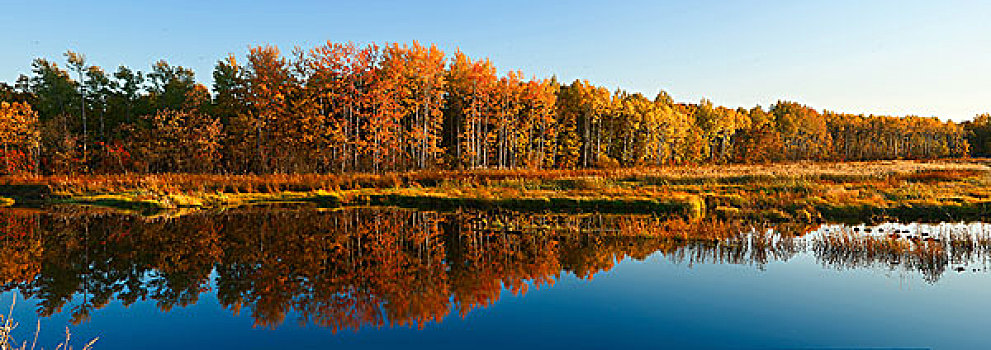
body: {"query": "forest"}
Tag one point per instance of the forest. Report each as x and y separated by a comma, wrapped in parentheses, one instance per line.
(344, 107)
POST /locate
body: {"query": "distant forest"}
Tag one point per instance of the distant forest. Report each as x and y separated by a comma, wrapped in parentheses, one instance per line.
(344, 107)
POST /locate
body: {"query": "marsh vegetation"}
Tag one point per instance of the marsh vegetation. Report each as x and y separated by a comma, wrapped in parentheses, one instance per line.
(801, 192)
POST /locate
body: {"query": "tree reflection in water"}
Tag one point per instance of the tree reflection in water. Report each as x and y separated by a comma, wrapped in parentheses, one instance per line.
(384, 267)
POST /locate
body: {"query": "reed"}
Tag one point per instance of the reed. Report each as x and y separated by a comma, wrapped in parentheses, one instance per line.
(8, 325)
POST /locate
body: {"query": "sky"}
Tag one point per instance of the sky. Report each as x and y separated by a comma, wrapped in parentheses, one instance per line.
(926, 58)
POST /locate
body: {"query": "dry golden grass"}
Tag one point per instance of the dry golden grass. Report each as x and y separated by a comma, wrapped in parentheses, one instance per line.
(484, 177)
(303, 182)
(779, 192)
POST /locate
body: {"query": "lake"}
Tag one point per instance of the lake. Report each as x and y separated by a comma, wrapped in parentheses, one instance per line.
(301, 278)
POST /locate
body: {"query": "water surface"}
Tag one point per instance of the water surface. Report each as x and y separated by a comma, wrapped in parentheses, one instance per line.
(366, 277)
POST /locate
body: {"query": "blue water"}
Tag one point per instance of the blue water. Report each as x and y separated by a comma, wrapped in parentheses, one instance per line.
(660, 302)
(653, 303)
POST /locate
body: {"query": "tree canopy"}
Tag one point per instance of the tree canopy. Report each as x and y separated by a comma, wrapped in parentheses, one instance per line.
(346, 107)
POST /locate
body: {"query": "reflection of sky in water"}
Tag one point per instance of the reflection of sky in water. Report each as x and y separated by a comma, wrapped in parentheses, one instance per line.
(653, 303)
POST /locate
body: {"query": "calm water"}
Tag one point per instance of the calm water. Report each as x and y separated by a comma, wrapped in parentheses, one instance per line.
(369, 278)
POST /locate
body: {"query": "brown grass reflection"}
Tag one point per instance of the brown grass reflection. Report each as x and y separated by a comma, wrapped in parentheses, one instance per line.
(930, 250)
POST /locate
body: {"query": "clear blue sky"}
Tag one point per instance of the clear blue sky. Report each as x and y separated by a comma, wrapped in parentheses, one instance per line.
(883, 57)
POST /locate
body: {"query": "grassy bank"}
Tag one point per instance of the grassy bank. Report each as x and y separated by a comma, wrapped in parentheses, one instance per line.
(861, 191)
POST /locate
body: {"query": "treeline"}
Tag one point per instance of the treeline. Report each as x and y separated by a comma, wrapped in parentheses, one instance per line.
(343, 107)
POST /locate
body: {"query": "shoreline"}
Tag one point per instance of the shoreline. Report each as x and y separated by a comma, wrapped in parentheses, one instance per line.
(812, 192)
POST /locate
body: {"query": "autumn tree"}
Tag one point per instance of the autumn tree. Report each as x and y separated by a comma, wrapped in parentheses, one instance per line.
(268, 82)
(417, 76)
(178, 141)
(979, 135)
(469, 107)
(803, 131)
(760, 141)
(19, 135)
